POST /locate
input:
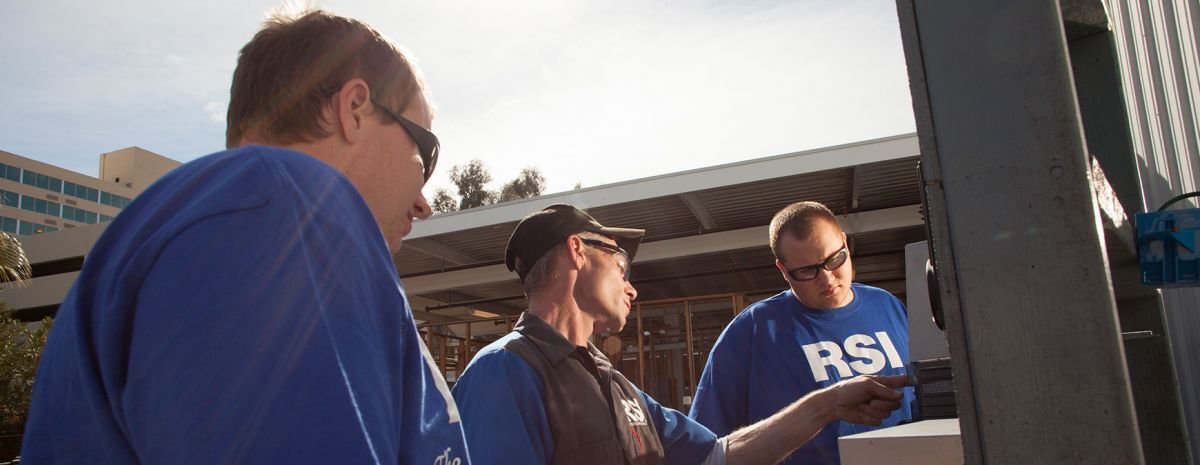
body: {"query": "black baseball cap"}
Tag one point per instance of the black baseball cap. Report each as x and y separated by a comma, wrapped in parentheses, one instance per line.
(541, 231)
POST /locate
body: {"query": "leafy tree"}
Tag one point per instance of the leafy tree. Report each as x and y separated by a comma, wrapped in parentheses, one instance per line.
(20, 352)
(471, 180)
(443, 202)
(530, 183)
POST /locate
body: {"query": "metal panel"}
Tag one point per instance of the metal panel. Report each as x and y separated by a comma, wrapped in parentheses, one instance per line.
(1025, 269)
(662, 218)
(1183, 321)
(891, 240)
(889, 184)
(410, 261)
(755, 204)
(486, 243)
(1157, 52)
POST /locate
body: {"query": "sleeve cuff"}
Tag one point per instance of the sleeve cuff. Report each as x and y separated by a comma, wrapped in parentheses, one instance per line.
(717, 455)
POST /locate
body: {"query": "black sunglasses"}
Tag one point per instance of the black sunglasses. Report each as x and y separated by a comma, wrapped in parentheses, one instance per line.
(832, 262)
(623, 263)
(427, 143)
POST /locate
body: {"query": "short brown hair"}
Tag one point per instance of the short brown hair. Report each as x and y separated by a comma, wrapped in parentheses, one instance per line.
(799, 220)
(286, 74)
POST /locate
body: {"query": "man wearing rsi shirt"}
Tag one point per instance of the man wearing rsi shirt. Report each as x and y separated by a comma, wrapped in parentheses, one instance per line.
(822, 330)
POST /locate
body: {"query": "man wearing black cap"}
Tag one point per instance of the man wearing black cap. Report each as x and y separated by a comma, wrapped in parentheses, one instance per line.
(543, 394)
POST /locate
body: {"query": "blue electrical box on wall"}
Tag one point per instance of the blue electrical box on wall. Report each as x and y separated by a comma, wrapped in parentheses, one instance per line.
(1167, 243)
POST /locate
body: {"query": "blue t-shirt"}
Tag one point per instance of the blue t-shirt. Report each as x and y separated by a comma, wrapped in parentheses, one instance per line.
(244, 309)
(500, 397)
(778, 350)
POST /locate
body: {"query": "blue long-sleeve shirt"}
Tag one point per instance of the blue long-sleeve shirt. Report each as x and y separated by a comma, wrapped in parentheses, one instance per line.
(243, 309)
(778, 350)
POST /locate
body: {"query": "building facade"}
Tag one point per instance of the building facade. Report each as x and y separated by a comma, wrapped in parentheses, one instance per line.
(37, 198)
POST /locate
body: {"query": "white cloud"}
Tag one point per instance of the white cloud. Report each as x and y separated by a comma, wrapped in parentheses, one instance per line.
(216, 111)
(592, 91)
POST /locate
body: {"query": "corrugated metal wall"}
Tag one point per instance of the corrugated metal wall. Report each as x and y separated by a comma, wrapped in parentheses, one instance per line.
(1159, 55)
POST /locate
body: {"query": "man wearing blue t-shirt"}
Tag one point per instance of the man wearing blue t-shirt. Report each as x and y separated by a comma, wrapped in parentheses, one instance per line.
(820, 331)
(543, 394)
(245, 308)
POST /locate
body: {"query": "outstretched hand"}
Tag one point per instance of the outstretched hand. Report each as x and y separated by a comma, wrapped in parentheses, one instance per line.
(867, 399)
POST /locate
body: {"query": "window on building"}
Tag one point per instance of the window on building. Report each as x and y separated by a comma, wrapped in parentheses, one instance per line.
(34, 204)
(12, 173)
(10, 199)
(8, 225)
(24, 228)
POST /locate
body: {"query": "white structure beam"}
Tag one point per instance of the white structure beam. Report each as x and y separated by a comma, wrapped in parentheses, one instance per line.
(842, 156)
(701, 213)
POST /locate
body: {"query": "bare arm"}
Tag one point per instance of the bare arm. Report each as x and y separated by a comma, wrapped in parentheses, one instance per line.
(864, 399)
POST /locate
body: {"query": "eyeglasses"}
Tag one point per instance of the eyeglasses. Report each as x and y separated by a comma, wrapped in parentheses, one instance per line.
(832, 262)
(427, 143)
(622, 257)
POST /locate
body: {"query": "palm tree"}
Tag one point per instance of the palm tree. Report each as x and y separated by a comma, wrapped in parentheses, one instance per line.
(14, 265)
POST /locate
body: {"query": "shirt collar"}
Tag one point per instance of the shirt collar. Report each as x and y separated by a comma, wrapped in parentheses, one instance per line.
(548, 340)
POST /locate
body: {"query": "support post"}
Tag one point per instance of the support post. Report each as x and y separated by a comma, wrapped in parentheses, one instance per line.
(1031, 318)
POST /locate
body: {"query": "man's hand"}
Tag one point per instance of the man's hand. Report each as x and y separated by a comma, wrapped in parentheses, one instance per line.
(867, 399)
(864, 399)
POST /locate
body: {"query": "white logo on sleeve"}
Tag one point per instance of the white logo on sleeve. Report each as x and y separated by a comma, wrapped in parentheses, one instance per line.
(867, 359)
(446, 459)
(634, 412)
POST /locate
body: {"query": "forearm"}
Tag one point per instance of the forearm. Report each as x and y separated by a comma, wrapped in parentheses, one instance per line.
(771, 440)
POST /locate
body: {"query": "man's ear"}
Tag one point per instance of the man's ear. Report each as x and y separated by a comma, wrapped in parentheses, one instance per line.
(779, 264)
(575, 252)
(350, 109)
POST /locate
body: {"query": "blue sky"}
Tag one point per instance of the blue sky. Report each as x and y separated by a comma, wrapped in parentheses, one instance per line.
(588, 91)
